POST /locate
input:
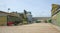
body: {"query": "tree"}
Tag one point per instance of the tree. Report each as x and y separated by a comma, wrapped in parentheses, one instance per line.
(50, 20)
(25, 11)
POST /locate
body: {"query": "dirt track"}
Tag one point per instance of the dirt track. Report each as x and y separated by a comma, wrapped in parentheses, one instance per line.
(31, 28)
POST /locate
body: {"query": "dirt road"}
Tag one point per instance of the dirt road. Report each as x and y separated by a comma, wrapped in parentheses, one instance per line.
(31, 28)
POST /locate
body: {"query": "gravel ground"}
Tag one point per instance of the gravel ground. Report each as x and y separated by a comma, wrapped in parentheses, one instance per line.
(30, 28)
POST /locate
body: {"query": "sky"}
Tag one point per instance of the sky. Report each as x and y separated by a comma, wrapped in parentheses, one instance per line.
(38, 8)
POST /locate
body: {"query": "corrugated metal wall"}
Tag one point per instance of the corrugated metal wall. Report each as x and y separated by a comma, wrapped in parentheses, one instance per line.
(3, 20)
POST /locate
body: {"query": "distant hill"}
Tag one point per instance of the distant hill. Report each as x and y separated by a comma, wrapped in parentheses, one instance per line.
(41, 18)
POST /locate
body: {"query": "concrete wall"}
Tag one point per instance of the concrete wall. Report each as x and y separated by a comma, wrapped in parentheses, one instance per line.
(54, 19)
(58, 19)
